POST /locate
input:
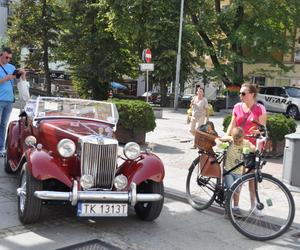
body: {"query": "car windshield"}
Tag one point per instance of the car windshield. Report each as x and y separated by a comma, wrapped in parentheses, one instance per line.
(293, 92)
(79, 108)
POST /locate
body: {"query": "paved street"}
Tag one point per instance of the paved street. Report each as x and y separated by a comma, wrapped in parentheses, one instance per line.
(178, 227)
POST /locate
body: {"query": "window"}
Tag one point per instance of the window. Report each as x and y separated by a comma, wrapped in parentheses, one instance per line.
(270, 91)
(260, 80)
(297, 55)
(262, 90)
(281, 92)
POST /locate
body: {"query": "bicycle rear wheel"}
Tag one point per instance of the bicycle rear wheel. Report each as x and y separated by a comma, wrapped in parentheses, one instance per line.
(200, 189)
(265, 222)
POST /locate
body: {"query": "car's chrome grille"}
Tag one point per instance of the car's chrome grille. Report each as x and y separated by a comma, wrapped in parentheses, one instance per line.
(100, 162)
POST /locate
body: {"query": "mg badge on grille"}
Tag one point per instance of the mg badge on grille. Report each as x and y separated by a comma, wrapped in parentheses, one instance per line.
(100, 140)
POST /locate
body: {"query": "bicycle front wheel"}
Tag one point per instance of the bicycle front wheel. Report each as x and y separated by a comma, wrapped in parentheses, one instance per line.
(264, 220)
(201, 190)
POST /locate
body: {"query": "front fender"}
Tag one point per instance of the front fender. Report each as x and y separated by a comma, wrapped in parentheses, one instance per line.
(43, 166)
(148, 167)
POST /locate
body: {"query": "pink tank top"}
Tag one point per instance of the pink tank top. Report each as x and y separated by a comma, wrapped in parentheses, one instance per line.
(256, 111)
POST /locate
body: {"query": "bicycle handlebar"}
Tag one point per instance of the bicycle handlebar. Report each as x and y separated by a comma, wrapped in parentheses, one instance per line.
(262, 128)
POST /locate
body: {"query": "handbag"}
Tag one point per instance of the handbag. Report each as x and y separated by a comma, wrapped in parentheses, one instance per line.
(23, 88)
(209, 166)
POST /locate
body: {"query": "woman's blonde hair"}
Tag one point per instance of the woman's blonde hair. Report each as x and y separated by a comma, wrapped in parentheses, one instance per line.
(253, 88)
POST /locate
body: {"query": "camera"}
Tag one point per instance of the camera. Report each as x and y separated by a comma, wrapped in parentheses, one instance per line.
(17, 73)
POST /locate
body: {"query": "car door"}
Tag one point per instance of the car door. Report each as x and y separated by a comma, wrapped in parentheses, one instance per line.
(269, 98)
(282, 100)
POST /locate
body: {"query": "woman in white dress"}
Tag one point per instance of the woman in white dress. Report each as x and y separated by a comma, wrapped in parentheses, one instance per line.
(199, 105)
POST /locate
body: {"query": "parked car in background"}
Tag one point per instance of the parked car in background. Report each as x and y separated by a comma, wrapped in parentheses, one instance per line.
(281, 99)
(187, 97)
(153, 97)
(186, 100)
(65, 151)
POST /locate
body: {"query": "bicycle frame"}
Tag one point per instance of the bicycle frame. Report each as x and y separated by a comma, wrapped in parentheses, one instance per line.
(264, 203)
(259, 163)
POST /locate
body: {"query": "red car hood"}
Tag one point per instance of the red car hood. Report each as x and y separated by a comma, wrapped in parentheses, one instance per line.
(75, 128)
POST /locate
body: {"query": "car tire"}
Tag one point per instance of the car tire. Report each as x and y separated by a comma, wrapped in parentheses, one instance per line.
(293, 112)
(7, 167)
(149, 211)
(29, 206)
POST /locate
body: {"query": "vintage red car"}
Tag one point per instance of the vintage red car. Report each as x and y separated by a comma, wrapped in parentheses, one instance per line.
(64, 150)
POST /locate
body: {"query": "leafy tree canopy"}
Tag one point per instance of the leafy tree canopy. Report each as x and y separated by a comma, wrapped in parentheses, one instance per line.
(244, 32)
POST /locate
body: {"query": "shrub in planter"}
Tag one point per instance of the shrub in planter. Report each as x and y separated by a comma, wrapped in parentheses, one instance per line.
(136, 117)
(278, 126)
(211, 111)
(226, 122)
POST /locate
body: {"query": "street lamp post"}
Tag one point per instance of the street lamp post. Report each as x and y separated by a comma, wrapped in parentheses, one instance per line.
(178, 57)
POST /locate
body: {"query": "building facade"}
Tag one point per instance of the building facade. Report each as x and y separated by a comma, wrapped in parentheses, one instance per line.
(266, 75)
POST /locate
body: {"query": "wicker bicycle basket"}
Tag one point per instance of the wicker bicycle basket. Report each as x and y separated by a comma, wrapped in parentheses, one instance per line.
(205, 141)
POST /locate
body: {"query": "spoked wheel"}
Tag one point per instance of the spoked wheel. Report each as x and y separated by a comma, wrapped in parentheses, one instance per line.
(200, 189)
(29, 206)
(149, 211)
(265, 220)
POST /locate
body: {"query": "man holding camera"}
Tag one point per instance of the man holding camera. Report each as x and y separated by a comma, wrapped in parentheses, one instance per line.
(8, 73)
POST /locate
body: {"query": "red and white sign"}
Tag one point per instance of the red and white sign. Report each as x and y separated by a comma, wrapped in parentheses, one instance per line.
(147, 56)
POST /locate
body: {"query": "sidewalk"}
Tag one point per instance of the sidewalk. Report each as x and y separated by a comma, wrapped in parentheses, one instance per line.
(172, 142)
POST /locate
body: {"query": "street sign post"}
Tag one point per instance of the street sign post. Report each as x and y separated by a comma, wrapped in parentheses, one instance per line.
(147, 66)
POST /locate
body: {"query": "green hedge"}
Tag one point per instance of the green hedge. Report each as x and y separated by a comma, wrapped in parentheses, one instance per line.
(278, 126)
(136, 115)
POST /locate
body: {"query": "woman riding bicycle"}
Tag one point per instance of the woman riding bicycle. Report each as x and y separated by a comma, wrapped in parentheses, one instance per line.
(243, 114)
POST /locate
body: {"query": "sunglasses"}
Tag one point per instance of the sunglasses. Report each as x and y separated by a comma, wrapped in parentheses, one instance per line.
(243, 93)
(8, 58)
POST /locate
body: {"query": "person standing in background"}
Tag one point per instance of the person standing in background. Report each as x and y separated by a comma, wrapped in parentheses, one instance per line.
(8, 73)
(199, 105)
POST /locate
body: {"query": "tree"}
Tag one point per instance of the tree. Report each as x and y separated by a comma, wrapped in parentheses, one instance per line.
(34, 25)
(244, 32)
(94, 55)
(154, 24)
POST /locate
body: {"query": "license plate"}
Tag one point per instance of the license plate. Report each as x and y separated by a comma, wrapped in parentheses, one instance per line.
(102, 209)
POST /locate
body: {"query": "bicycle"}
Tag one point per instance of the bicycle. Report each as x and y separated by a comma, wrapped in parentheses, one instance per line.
(273, 199)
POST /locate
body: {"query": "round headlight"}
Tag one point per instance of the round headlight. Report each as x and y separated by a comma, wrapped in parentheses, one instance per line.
(132, 150)
(86, 181)
(120, 182)
(66, 148)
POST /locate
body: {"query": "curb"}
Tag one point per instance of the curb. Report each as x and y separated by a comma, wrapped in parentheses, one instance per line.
(181, 196)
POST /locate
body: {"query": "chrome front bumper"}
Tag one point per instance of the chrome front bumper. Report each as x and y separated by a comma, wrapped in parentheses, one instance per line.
(130, 196)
